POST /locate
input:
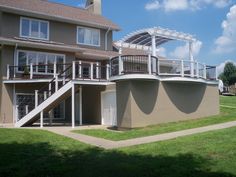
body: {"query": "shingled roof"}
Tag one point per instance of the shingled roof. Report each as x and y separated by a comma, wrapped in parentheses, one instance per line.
(56, 11)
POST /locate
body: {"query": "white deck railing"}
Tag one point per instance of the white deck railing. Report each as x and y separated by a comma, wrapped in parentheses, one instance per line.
(121, 65)
(144, 64)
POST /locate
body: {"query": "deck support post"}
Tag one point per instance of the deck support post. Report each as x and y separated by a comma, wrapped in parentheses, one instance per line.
(197, 72)
(121, 64)
(26, 109)
(97, 70)
(73, 70)
(8, 72)
(191, 59)
(41, 119)
(107, 72)
(91, 71)
(182, 68)
(54, 69)
(56, 83)
(80, 69)
(50, 89)
(45, 95)
(31, 71)
(204, 72)
(36, 98)
(73, 106)
(80, 105)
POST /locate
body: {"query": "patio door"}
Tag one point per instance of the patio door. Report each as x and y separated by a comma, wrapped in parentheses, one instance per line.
(108, 106)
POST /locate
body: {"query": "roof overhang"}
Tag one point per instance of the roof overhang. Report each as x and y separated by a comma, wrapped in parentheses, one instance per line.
(142, 39)
(23, 12)
(40, 45)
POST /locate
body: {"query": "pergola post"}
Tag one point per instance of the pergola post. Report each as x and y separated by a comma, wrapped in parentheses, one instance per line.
(121, 67)
(154, 47)
(191, 59)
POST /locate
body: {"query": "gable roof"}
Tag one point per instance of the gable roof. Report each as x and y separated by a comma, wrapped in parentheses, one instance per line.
(56, 11)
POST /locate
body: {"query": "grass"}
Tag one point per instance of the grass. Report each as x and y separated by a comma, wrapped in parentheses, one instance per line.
(38, 153)
(227, 114)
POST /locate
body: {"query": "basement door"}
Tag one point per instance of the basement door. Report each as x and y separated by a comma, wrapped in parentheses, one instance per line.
(108, 108)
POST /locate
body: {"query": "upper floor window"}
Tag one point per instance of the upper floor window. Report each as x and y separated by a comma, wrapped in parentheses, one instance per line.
(88, 36)
(33, 28)
(42, 62)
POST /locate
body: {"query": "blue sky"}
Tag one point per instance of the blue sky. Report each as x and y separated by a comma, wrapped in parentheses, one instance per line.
(206, 19)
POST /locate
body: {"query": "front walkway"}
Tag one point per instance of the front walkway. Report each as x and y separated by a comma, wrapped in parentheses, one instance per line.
(108, 144)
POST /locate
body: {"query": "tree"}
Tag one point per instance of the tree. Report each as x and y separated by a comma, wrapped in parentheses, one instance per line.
(229, 74)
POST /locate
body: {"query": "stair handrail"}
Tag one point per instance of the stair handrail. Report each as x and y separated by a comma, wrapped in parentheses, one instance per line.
(51, 88)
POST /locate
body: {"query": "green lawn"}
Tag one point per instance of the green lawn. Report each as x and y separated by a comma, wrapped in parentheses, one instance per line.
(227, 114)
(36, 153)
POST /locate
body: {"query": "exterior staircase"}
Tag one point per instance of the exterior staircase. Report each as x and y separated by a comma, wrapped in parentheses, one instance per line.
(57, 90)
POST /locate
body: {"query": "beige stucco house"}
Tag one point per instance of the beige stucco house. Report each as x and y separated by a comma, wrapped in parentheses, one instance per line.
(60, 66)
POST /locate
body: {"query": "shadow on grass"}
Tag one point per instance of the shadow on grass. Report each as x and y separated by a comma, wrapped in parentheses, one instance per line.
(43, 160)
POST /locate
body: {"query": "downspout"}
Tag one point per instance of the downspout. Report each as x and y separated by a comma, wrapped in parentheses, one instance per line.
(15, 54)
(106, 38)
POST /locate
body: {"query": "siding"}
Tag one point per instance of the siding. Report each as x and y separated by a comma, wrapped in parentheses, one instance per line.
(58, 31)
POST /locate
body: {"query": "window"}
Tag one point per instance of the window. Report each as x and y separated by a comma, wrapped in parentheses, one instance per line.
(32, 28)
(43, 62)
(88, 36)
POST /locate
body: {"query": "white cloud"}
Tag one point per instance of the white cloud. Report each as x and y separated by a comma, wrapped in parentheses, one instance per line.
(152, 5)
(220, 67)
(177, 5)
(182, 52)
(161, 52)
(227, 41)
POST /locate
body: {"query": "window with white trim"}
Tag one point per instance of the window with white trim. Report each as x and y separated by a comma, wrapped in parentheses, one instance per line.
(33, 28)
(88, 36)
(42, 61)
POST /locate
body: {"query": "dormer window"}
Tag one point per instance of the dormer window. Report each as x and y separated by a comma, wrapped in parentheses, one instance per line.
(88, 36)
(33, 28)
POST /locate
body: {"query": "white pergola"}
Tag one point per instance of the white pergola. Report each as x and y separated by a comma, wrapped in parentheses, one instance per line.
(150, 38)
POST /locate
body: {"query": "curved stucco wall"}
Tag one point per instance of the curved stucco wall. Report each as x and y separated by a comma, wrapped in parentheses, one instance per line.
(142, 103)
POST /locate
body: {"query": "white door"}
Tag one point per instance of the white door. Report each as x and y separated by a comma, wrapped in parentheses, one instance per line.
(108, 104)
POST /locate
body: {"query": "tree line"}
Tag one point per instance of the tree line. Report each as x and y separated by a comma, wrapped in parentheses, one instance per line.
(229, 74)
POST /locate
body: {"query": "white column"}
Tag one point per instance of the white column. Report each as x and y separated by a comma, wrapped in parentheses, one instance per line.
(80, 105)
(121, 64)
(154, 48)
(91, 71)
(8, 72)
(56, 83)
(50, 89)
(73, 106)
(45, 95)
(197, 72)
(182, 68)
(26, 109)
(31, 71)
(41, 119)
(191, 59)
(54, 69)
(17, 115)
(149, 65)
(97, 70)
(107, 72)
(73, 70)
(204, 73)
(80, 69)
(36, 98)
